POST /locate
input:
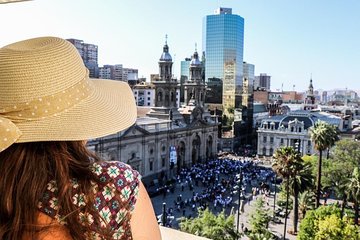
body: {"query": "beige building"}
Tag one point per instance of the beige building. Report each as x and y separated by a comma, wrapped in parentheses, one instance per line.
(165, 138)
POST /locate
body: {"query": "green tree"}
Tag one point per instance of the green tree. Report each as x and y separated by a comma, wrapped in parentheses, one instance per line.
(281, 198)
(326, 223)
(338, 170)
(286, 164)
(206, 224)
(259, 221)
(354, 192)
(324, 136)
(334, 228)
(300, 181)
(306, 202)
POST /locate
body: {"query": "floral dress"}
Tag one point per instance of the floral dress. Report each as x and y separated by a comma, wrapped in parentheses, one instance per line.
(115, 178)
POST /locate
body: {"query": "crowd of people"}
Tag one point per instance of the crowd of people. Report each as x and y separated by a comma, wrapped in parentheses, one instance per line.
(215, 185)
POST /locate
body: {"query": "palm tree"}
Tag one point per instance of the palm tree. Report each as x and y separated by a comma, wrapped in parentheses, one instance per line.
(300, 181)
(207, 224)
(306, 202)
(354, 191)
(324, 136)
(286, 165)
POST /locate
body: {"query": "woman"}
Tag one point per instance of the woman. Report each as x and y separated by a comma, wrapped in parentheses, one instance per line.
(51, 186)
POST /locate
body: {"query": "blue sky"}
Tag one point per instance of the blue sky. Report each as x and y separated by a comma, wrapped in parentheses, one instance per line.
(289, 40)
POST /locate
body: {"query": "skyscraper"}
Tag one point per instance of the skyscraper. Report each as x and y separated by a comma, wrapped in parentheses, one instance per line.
(89, 54)
(223, 44)
(263, 81)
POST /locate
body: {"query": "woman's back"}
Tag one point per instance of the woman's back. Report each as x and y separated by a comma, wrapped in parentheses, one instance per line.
(49, 107)
(115, 195)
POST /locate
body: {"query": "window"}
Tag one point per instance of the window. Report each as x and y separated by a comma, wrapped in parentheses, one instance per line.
(163, 161)
(148, 93)
(271, 140)
(264, 150)
(148, 104)
(151, 166)
(148, 98)
(281, 141)
(163, 148)
(271, 151)
(264, 139)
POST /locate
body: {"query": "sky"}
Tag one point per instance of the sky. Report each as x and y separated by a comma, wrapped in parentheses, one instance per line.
(289, 40)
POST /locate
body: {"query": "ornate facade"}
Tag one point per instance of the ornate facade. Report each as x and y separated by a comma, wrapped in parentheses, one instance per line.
(291, 129)
(190, 131)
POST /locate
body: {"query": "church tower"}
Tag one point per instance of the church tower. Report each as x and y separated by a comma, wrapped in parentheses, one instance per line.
(195, 88)
(309, 102)
(194, 97)
(165, 89)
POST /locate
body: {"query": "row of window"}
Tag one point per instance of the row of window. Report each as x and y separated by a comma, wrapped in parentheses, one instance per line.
(281, 140)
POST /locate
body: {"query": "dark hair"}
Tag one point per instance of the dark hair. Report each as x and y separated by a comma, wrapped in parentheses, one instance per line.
(26, 170)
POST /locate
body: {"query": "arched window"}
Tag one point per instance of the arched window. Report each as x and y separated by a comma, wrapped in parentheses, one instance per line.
(271, 151)
(160, 96)
(264, 150)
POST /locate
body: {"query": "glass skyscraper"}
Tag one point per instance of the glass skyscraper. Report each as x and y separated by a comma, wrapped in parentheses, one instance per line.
(223, 44)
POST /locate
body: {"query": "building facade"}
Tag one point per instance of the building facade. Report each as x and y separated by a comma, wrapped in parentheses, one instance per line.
(223, 44)
(144, 94)
(89, 54)
(292, 129)
(263, 82)
(184, 76)
(166, 138)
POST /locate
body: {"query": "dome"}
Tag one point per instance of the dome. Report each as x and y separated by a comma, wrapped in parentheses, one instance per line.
(165, 56)
(195, 60)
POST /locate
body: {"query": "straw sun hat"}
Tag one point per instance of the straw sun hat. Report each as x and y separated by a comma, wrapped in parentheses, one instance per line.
(46, 95)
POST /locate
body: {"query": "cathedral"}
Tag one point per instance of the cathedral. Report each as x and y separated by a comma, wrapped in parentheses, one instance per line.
(166, 137)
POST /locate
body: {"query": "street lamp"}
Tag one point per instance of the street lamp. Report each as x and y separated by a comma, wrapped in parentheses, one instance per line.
(163, 216)
(239, 196)
(274, 196)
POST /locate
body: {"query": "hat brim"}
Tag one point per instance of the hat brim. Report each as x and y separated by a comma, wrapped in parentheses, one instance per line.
(109, 109)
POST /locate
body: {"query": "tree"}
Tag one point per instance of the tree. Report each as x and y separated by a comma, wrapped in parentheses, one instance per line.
(339, 169)
(206, 224)
(259, 221)
(300, 181)
(334, 228)
(354, 192)
(286, 164)
(306, 202)
(324, 136)
(325, 223)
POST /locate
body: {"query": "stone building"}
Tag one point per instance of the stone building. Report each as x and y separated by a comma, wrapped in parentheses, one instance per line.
(291, 129)
(165, 137)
